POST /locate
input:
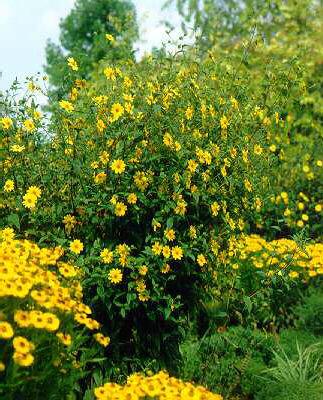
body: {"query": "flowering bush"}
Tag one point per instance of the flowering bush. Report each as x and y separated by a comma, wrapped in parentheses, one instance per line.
(259, 282)
(146, 170)
(42, 315)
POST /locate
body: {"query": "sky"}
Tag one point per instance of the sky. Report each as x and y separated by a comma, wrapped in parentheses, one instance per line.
(25, 26)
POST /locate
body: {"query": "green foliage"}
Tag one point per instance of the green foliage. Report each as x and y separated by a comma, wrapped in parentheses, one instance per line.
(229, 361)
(149, 174)
(310, 313)
(295, 378)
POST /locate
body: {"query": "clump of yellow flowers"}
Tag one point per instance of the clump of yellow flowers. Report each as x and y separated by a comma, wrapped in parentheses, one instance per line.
(40, 301)
(281, 256)
(158, 387)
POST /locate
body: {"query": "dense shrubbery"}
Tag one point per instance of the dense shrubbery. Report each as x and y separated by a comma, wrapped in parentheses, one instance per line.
(154, 177)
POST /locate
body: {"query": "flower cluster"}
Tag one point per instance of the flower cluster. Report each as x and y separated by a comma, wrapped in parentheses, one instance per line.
(159, 386)
(281, 256)
(41, 299)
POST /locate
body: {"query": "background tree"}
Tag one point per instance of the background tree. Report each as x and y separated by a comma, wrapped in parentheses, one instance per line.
(83, 36)
(227, 21)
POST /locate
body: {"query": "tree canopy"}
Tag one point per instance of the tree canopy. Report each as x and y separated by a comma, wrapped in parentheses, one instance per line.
(93, 30)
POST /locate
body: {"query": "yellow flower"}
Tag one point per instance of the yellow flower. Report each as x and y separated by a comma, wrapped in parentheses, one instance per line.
(67, 270)
(22, 318)
(103, 340)
(165, 269)
(117, 111)
(65, 338)
(157, 248)
(70, 222)
(107, 256)
(37, 115)
(120, 209)
(24, 360)
(215, 207)
(76, 246)
(293, 274)
(132, 198)
(305, 217)
(51, 322)
(34, 190)
(169, 234)
(110, 38)
(189, 112)
(29, 200)
(22, 345)
(29, 125)
(9, 185)
(166, 251)
(248, 185)
(6, 331)
(192, 232)
(6, 122)
(201, 260)
(143, 269)
(177, 253)
(100, 125)
(100, 177)
(66, 105)
(16, 148)
(118, 166)
(2, 366)
(224, 122)
(115, 275)
(110, 73)
(192, 165)
(72, 64)
(257, 149)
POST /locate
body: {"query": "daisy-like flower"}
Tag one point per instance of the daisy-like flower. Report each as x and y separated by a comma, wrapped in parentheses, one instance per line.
(76, 246)
(115, 275)
(177, 253)
(118, 166)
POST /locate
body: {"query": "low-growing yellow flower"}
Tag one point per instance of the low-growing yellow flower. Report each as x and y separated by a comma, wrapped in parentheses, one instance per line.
(6, 331)
(22, 345)
(23, 360)
(103, 340)
(65, 338)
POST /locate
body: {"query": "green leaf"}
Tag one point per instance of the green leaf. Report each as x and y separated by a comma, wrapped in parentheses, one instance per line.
(13, 219)
(248, 303)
